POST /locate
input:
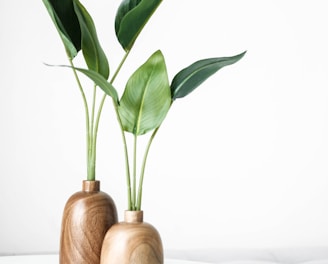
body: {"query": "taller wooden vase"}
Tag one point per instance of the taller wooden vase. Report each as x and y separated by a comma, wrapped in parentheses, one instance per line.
(87, 216)
(132, 242)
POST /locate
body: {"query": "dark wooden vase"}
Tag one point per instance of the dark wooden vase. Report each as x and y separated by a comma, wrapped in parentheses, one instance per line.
(132, 242)
(87, 216)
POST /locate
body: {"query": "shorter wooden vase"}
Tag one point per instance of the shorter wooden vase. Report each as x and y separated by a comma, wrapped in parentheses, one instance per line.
(132, 242)
(87, 216)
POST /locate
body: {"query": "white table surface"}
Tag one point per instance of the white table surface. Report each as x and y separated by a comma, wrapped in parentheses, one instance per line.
(53, 259)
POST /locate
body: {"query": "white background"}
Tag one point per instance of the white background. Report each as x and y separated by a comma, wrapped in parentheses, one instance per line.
(241, 162)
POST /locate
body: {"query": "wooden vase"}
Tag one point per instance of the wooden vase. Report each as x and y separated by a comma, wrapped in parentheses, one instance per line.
(132, 242)
(87, 216)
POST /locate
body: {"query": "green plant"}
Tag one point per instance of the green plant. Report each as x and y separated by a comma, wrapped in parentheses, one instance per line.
(148, 94)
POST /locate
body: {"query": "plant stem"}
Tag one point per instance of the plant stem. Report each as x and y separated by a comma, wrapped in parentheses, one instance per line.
(93, 140)
(126, 154)
(142, 174)
(87, 119)
(127, 167)
(93, 108)
(120, 66)
(134, 186)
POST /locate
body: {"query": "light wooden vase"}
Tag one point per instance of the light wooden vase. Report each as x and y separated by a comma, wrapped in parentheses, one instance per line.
(132, 242)
(87, 216)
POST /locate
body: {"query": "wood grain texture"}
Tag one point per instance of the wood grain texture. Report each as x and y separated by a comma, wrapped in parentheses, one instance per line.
(87, 216)
(132, 242)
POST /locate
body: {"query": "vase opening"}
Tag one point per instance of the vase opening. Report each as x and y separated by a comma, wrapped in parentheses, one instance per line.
(91, 186)
(133, 216)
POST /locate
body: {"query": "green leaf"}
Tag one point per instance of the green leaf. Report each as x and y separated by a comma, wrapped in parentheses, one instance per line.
(92, 51)
(131, 17)
(97, 78)
(147, 97)
(191, 77)
(67, 24)
(101, 82)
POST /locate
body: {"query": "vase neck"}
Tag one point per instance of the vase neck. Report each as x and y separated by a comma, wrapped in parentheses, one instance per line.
(133, 216)
(91, 186)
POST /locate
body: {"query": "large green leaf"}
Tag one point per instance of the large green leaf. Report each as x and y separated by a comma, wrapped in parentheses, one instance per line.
(67, 24)
(131, 17)
(147, 97)
(191, 77)
(92, 51)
